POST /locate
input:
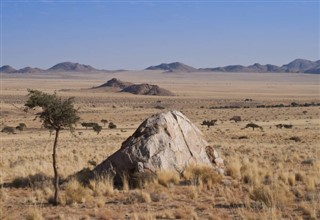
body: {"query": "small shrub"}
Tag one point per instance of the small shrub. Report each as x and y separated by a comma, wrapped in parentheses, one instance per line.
(295, 138)
(159, 107)
(97, 128)
(253, 126)
(8, 130)
(209, 123)
(88, 124)
(21, 127)
(112, 125)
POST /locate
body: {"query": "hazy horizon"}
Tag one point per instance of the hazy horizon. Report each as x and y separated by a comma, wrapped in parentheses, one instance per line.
(136, 34)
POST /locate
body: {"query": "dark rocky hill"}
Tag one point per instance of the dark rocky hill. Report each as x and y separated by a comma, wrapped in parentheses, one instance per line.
(115, 83)
(147, 89)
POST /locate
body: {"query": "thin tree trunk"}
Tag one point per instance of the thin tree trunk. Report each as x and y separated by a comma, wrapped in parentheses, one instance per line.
(55, 170)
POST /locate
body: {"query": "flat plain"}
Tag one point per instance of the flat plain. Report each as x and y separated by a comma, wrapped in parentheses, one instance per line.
(271, 173)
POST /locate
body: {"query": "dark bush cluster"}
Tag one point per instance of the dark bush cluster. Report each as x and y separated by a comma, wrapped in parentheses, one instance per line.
(95, 126)
(293, 104)
(11, 130)
(21, 126)
(89, 124)
(225, 107)
(253, 126)
(209, 123)
(8, 130)
(112, 125)
(284, 126)
(159, 107)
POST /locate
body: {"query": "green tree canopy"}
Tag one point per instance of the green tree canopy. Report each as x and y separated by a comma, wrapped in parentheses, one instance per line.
(57, 113)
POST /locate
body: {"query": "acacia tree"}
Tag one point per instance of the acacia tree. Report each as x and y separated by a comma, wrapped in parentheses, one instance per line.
(57, 114)
(104, 121)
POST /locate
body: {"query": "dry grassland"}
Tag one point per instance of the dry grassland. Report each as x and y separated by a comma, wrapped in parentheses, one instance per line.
(270, 174)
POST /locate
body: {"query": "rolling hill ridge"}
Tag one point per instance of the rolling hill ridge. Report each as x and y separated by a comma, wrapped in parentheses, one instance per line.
(296, 66)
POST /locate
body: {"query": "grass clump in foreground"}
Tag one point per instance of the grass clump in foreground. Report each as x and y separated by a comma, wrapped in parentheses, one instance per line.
(202, 176)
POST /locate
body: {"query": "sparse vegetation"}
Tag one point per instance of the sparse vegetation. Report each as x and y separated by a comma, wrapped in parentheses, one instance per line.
(209, 123)
(267, 175)
(8, 130)
(89, 124)
(21, 127)
(97, 128)
(104, 121)
(253, 126)
(112, 125)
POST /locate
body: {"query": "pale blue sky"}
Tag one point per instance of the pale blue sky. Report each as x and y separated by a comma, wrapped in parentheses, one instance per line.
(137, 34)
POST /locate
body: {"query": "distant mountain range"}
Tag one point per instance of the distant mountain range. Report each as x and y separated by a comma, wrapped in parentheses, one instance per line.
(60, 67)
(296, 66)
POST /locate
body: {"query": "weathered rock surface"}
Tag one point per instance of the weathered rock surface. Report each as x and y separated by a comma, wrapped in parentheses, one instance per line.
(165, 141)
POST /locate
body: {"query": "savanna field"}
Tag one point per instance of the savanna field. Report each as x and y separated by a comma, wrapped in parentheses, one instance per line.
(270, 173)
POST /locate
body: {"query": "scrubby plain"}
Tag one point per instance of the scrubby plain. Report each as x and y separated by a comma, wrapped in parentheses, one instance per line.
(271, 173)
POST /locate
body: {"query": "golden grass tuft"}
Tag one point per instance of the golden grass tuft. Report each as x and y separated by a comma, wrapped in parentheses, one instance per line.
(102, 187)
(34, 213)
(143, 216)
(272, 196)
(233, 168)
(138, 196)
(168, 178)
(125, 182)
(310, 183)
(76, 192)
(192, 193)
(309, 211)
(185, 213)
(202, 175)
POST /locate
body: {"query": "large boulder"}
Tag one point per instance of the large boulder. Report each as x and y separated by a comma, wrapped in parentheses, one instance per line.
(165, 141)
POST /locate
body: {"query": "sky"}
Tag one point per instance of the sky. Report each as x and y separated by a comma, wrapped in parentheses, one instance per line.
(137, 34)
